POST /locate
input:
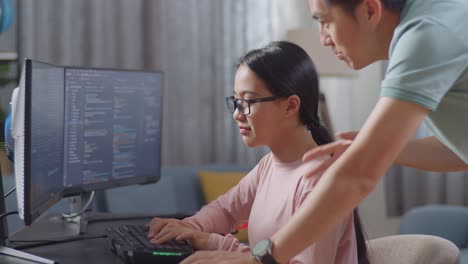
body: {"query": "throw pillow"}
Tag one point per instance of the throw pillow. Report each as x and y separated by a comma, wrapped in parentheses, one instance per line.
(214, 184)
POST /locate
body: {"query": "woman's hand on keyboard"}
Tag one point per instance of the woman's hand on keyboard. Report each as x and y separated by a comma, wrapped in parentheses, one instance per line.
(158, 224)
(171, 231)
(198, 239)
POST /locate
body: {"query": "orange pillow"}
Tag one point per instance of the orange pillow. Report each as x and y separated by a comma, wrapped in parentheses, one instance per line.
(214, 184)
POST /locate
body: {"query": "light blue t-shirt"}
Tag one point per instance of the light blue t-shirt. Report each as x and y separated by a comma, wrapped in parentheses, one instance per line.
(429, 66)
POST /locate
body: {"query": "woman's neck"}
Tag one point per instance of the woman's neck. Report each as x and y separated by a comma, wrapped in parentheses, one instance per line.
(291, 146)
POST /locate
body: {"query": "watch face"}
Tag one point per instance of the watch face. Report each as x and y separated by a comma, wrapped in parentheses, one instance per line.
(261, 248)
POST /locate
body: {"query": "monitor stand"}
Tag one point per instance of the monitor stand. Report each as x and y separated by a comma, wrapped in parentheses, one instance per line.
(60, 227)
(9, 252)
(78, 203)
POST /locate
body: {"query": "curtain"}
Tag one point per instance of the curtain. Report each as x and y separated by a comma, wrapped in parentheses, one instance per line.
(195, 43)
(407, 187)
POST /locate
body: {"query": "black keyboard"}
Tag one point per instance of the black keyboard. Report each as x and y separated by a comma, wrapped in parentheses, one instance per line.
(131, 243)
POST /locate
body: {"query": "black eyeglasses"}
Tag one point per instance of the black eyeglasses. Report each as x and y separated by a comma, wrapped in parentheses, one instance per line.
(243, 105)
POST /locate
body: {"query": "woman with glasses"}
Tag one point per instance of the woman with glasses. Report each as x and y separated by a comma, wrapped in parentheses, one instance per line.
(275, 104)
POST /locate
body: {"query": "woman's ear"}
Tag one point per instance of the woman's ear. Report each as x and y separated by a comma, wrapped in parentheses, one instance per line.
(293, 105)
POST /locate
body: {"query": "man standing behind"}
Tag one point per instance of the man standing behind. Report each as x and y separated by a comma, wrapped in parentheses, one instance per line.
(426, 42)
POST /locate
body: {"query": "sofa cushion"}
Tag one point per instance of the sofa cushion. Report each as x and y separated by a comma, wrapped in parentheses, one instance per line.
(214, 184)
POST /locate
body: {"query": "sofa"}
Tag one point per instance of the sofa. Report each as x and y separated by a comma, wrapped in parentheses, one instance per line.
(177, 193)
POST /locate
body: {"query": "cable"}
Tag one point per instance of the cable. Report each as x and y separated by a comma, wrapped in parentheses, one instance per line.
(40, 243)
(73, 215)
(9, 192)
(1, 221)
(8, 213)
(5, 215)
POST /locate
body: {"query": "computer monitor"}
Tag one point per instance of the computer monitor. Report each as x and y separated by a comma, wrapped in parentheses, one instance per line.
(78, 130)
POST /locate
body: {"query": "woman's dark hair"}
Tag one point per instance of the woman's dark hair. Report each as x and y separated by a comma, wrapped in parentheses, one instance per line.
(350, 5)
(287, 70)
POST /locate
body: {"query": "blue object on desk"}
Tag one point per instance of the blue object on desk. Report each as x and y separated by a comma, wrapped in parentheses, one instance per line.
(9, 141)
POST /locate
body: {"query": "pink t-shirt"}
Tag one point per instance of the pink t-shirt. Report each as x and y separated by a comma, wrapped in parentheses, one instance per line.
(267, 197)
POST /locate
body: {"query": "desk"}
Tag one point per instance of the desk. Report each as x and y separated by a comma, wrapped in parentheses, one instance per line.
(87, 251)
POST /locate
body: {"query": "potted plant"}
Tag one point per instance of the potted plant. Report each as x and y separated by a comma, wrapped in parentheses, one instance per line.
(5, 163)
(2, 128)
(4, 70)
(5, 78)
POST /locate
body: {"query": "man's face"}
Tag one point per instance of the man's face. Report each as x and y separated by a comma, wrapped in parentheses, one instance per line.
(343, 32)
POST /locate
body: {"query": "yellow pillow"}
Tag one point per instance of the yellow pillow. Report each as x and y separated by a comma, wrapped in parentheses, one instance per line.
(214, 184)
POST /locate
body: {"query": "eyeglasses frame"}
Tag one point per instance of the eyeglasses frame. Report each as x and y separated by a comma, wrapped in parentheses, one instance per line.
(248, 101)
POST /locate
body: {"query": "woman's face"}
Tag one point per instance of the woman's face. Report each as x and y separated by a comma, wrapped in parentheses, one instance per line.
(259, 128)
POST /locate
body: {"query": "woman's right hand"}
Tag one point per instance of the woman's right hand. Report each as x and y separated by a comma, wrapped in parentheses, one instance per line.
(333, 150)
(158, 224)
(198, 239)
(163, 230)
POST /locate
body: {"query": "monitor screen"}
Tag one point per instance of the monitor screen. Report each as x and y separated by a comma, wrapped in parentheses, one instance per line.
(84, 129)
(113, 128)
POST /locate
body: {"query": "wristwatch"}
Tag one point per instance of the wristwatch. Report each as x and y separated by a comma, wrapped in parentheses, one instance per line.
(262, 252)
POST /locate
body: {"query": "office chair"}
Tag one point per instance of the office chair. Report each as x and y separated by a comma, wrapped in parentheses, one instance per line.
(446, 221)
(412, 249)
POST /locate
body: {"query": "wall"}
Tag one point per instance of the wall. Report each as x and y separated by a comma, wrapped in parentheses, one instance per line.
(350, 101)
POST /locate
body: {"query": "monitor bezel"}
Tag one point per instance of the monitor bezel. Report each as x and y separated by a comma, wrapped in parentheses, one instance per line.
(30, 213)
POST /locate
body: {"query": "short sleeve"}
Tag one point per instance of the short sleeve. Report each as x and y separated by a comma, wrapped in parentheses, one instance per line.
(425, 62)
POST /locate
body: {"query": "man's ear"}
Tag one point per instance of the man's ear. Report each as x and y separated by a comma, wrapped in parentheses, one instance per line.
(293, 104)
(370, 12)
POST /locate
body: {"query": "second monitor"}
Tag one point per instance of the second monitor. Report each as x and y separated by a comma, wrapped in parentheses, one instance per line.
(83, 129)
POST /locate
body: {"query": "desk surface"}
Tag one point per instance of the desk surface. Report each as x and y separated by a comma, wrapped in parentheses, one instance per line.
(87, 251)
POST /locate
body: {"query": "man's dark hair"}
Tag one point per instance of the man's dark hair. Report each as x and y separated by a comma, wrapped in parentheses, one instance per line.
(350, 5)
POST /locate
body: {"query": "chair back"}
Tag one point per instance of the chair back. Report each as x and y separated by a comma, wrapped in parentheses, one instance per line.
(412, 249)
(447, 221)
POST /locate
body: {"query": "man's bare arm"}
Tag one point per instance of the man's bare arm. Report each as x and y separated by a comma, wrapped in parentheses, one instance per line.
(351, 177)
(430, 154)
